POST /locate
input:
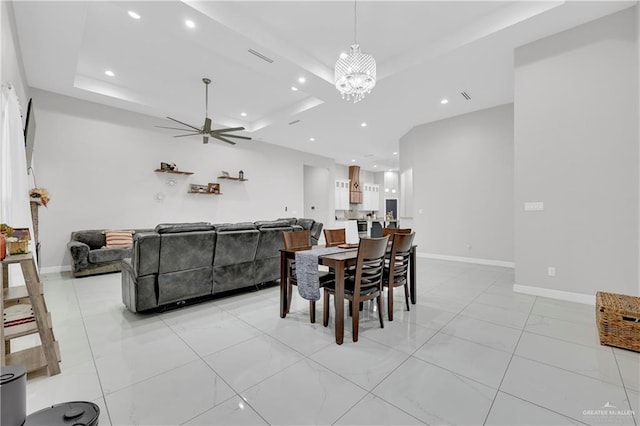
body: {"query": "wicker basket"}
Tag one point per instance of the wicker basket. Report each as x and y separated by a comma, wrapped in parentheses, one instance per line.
(18, 247)
(618, 318)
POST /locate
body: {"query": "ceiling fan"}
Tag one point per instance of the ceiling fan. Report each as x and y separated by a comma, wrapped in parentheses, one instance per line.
(205, 131)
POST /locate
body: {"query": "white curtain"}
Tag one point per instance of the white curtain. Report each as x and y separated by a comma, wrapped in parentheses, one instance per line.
(14, 184)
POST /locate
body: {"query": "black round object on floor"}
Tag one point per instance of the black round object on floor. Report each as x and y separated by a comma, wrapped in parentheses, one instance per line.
(75, 413)
(13, 394)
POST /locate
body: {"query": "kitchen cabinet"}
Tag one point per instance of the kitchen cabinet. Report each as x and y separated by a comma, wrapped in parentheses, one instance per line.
(371, 197)
(342, 195)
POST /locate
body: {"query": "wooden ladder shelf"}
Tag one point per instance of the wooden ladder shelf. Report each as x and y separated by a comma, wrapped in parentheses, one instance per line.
(47, 354)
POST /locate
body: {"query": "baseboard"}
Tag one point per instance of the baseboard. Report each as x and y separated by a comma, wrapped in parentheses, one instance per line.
(586, 299)
(55, 269)
(475, 260)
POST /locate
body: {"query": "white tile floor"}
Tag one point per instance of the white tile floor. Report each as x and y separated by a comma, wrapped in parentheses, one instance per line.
(470, 352)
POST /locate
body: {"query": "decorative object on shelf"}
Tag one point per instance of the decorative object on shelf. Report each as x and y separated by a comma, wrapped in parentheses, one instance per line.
(18, 242)
(200, 189)
(39, 196)
(241, 175)
(168, 166)
(175, 172)
(225, 174)
(213, 188)
(355, 72)
(5, 232)
(205, 131)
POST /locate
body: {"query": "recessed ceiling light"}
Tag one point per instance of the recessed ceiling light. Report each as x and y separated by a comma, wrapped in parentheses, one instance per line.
(189, 23)
(133, 14)
(375, 165)
(244, 114)
(294, 88)
(393, 191)
(386, 190)
(302, 80)
(312, 139)
(444, 101)
(363, 124)
(395, 153)
(110, 73)
(353, 161)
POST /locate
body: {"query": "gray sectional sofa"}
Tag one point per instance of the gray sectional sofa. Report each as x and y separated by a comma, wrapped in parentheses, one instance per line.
(89, 255)
(179, 262)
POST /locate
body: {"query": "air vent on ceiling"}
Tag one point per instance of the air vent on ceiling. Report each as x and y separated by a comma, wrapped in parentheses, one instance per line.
(465, 95)
(260, 55)
(294, 122)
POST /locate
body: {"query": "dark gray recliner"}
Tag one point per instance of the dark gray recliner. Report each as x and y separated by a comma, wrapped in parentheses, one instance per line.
(234, 256)
(171, 264)
(267, 262)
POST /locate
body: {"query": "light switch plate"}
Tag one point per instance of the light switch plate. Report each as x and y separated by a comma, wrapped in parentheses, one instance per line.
(534, 206)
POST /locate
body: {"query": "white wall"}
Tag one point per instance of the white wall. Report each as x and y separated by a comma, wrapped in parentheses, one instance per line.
(11, 69)
(97, 162)
(319, 198)
(463, 185)
(576, 150)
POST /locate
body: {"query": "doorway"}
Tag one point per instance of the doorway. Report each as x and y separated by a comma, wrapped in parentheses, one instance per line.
(391, 205)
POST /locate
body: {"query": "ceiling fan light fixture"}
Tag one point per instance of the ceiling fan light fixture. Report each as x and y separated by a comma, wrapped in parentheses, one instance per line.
(206, 131)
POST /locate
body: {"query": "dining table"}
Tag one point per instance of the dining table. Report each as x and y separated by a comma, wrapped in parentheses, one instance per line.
(337, 262)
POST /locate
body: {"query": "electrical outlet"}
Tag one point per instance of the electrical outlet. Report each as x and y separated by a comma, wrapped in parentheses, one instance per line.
(551, 271)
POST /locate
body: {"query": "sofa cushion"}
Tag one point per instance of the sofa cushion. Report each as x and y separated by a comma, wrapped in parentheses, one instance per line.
(95, 239)
(280, 223)
(186, 250)
(171, 228)
(245, 226)
(108, 254)
(291, 220)
(305, 223)
(118, 238)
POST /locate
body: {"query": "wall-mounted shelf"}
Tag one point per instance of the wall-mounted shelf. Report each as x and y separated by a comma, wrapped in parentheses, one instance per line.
(173, 172)
(211, 188)
(233, 178)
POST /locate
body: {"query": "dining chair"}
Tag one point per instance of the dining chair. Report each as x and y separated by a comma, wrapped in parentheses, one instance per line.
(397, 268)
(391, 231)
(365, 285)
(334, 237)
(301, 240)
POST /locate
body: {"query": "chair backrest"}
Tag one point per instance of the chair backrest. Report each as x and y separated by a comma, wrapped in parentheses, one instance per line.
(296, 239)
(370, 264)
(392, 231)
(334, 237)
(399, 258)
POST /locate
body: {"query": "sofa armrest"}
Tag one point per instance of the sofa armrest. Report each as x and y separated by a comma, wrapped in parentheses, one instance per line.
(316, 230)
(79, 255)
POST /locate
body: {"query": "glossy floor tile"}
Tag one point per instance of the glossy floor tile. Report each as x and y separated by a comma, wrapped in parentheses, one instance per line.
(471, 351)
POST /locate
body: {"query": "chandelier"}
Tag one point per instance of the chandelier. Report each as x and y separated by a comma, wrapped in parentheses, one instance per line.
(355, 72)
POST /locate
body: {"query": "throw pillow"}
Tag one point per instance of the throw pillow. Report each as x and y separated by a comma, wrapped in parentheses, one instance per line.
(119, 239)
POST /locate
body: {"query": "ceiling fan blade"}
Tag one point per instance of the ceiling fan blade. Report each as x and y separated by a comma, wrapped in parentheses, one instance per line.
(205, 139)
(229, 129)
(222, 139)
(213, 133)
(188, 134)
(174, 128)
(207, 125)
(184, 124)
